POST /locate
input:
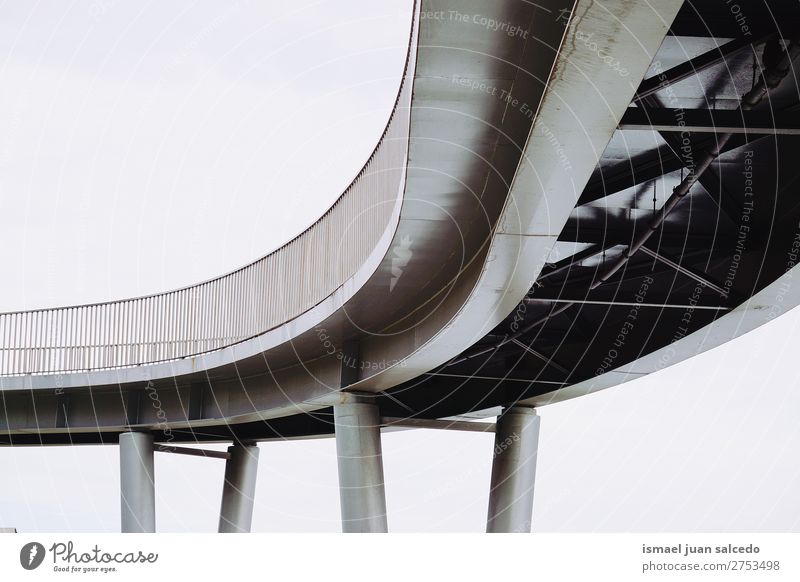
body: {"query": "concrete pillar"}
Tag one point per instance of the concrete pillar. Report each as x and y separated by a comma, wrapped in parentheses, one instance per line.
(238, 493)
(137, 482)
(358, 449)
(513, 471)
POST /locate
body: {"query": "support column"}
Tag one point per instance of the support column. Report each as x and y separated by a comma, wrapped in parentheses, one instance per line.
(358, 449)
(137, 482)
(513, 471)
(238, 493)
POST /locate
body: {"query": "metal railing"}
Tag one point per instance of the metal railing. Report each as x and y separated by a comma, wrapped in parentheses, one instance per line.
(231, 308)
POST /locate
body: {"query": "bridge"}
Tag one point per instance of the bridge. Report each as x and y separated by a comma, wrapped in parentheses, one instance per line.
(570, 196)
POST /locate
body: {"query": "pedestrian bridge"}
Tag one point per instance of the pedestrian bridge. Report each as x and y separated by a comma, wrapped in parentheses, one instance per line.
(552, 209)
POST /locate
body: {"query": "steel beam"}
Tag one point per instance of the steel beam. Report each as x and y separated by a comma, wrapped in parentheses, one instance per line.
(513, 471)
(542, 357)
(709, 179)
(437, 424)
(357, 423)
(239, 490)
(192, 452)
(647, 166)
(577, 284)
(607, 228)
(616, 303)
(495, 379)
(692, 67)
(137, 483)
(568, 262)
(702, 279)
(709, 121)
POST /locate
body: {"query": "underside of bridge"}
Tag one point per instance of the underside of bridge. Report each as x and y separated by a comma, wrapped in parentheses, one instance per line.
(627, 279)
(688, 219)
(636, 267)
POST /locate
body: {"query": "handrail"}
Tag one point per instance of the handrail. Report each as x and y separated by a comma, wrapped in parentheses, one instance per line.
(231, 308)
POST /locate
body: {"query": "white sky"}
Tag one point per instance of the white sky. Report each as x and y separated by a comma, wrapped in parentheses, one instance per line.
(148, 145)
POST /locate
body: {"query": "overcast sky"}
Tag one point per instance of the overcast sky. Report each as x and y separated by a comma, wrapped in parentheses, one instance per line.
(147, 145)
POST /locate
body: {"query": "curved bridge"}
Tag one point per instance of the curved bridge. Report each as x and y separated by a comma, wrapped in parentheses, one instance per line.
(553, 208)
